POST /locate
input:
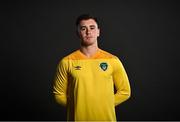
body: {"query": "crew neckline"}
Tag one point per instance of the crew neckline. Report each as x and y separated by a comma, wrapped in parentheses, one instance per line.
(96, 54)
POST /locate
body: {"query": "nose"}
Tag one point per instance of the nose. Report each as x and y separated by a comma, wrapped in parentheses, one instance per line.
(88, 31)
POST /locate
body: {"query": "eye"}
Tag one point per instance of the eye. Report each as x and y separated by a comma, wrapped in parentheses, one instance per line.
(92, 28)
(83, 28)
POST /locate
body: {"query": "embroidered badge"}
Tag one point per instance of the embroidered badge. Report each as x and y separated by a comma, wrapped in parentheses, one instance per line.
(104, 66)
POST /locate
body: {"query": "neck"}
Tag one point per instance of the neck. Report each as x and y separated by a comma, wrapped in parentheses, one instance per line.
(89, 50)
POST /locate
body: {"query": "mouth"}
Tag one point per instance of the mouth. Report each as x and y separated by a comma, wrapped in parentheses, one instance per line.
(88, 37)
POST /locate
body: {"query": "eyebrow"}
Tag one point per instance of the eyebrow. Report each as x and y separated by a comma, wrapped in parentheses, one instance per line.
(86, 26)
(92, 26)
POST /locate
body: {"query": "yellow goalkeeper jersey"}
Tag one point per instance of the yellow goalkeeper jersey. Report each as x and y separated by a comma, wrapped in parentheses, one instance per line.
(86, 86)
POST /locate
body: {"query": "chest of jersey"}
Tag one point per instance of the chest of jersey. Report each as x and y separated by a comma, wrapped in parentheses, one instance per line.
(91, 69)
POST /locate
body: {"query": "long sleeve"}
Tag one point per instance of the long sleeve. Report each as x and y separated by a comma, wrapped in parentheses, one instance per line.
(121, 83)
(60, 83)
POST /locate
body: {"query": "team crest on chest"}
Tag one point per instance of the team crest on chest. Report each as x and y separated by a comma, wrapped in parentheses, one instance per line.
(104, 66)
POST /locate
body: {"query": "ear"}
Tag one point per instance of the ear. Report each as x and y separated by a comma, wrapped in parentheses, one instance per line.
(77, 33)
(98, 32)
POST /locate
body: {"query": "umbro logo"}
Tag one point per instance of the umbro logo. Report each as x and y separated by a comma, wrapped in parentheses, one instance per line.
(77, 67)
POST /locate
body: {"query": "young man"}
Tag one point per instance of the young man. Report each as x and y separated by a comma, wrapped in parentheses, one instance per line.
(85, 79)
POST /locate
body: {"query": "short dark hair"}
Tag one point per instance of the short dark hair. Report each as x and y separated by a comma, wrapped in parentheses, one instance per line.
(86, 17)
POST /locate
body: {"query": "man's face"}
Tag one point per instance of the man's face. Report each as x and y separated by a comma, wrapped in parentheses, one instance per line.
(88, 32)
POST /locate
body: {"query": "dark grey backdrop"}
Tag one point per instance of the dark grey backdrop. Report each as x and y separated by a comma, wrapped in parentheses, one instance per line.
(35, 35)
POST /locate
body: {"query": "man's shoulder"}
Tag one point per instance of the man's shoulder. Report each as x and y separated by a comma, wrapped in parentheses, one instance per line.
(72, 55)
(108, 55)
